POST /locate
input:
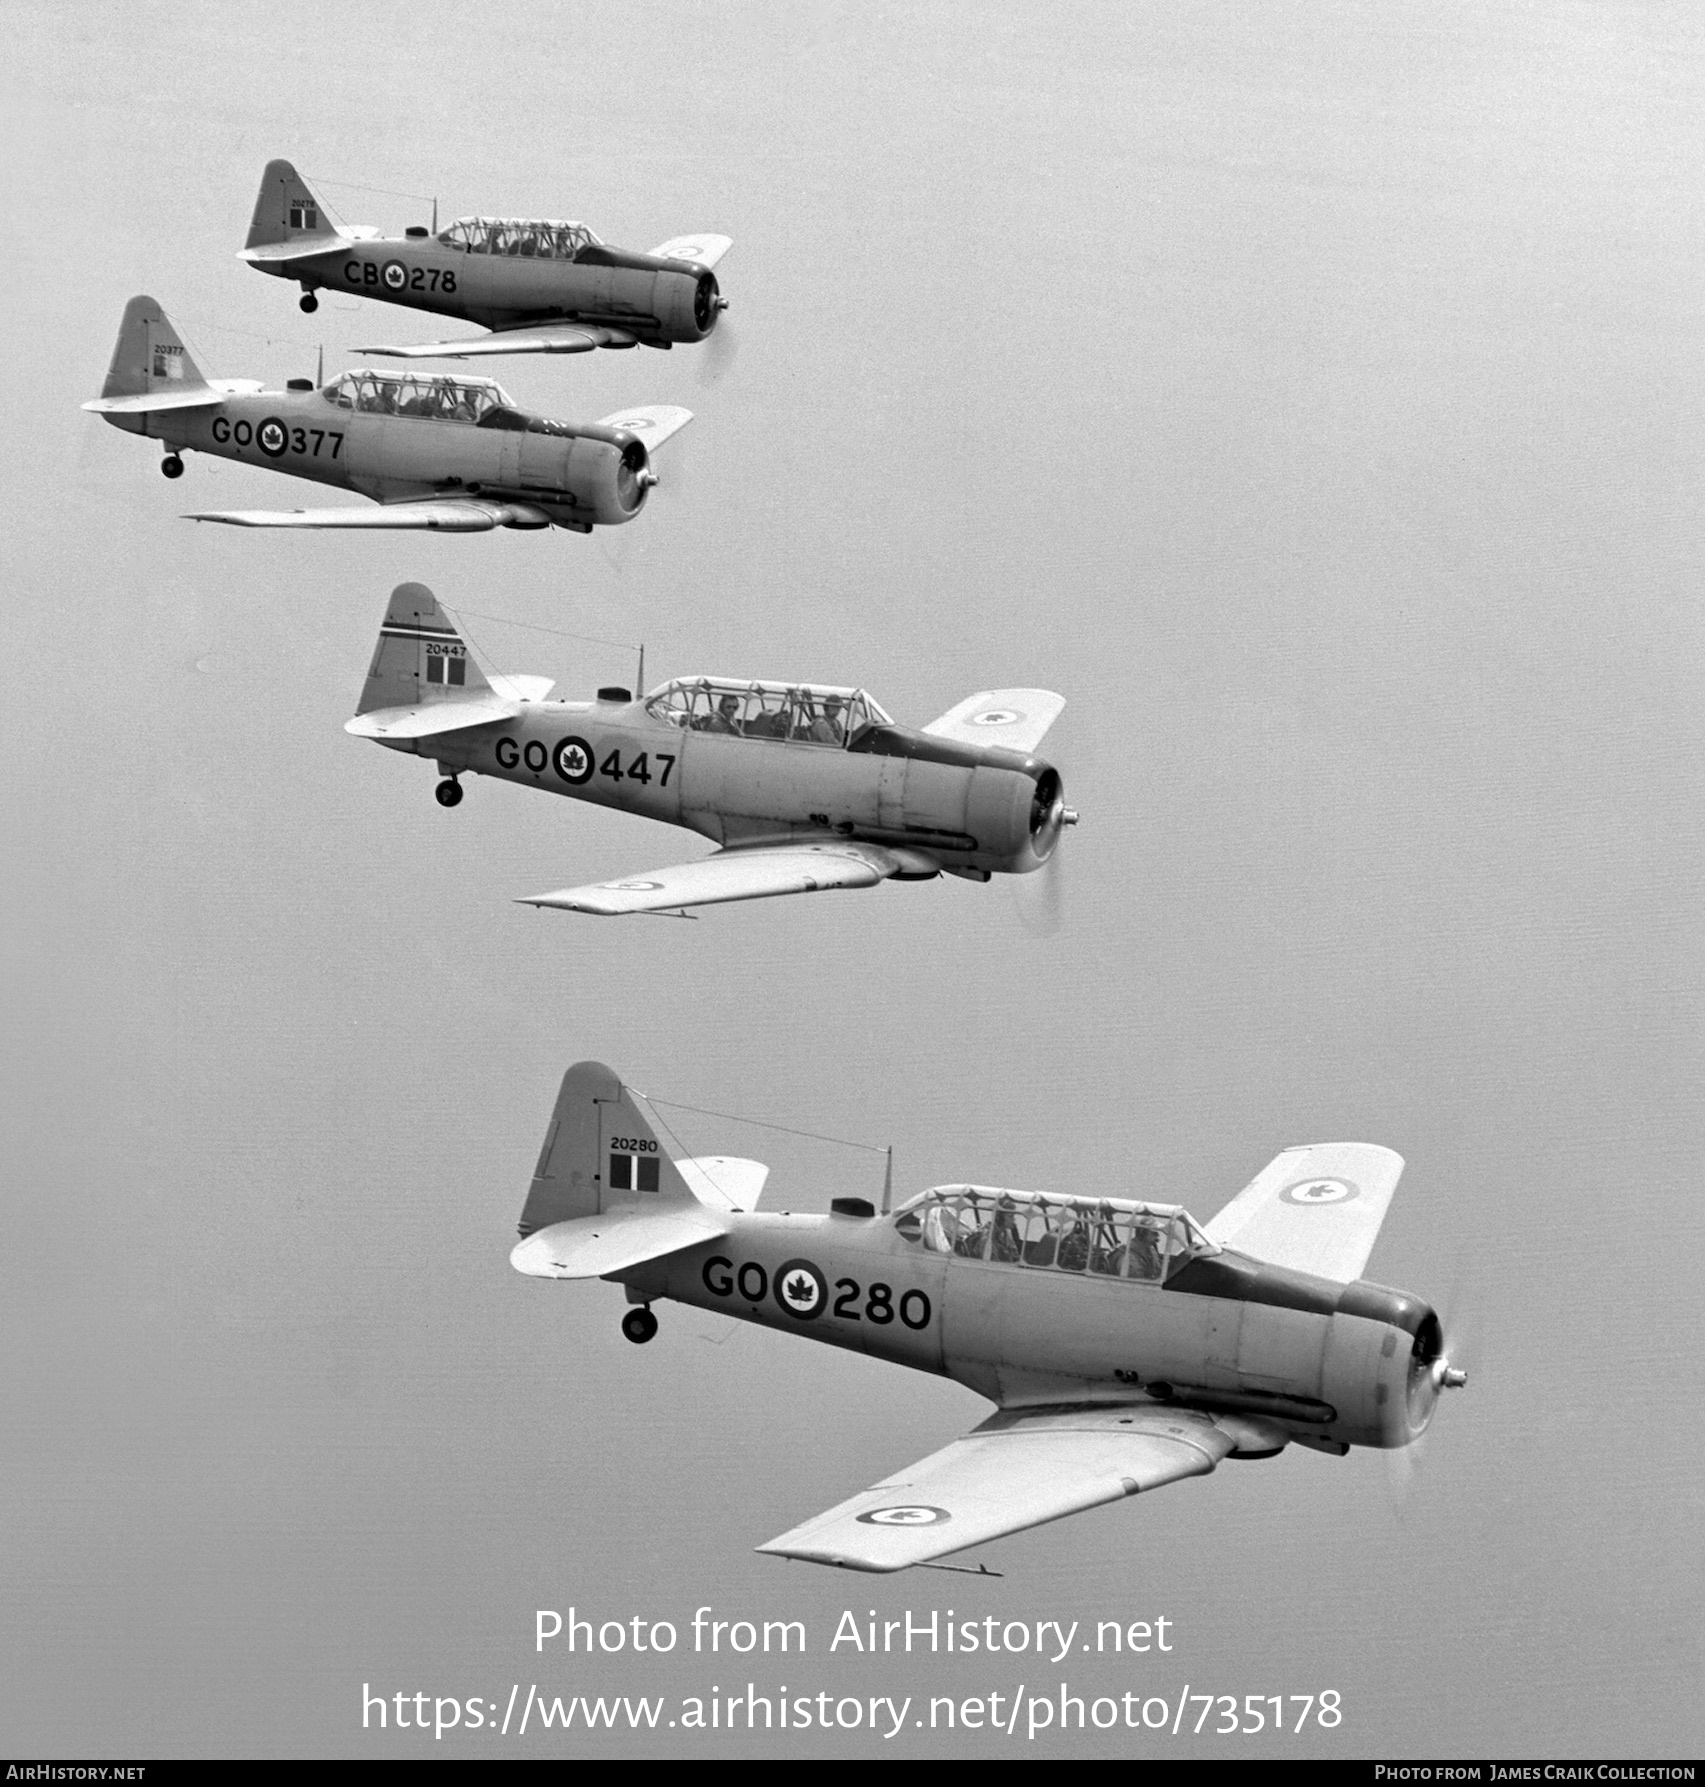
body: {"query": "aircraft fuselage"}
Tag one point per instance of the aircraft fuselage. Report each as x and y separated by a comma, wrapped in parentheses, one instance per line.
(958, 806)
(657, 301)
(577, 475)
(1327, 1364)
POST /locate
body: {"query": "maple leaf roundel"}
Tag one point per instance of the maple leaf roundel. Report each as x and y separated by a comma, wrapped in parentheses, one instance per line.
(801, 1289)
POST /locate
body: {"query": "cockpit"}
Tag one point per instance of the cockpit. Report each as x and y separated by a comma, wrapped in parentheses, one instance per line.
(537, 238)
(806, 713)
(1103, 1237)
(418, 394)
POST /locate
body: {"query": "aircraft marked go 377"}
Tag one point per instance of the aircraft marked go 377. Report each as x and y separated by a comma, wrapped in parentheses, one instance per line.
(450, 455)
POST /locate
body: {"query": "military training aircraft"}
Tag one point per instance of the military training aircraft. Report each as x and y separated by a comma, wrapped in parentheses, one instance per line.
(542, 287)
(450, 454)
(803, 787)
(1124, 1345)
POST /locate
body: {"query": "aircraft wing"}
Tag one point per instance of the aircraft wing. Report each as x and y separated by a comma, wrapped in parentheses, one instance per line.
(706, 250)
(547, 338)
(591, 1246)
(1020, 1469)
(654, 423)
(1315, 1209)
(449, 515)
(745, 874)
(1015, 718)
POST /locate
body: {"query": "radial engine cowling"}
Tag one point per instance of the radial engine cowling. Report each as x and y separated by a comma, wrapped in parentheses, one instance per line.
(1383, 1366)
(608, 472)
(687, 304)
(1015, 815)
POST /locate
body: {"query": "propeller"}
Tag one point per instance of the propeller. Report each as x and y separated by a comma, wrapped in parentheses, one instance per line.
(720, 352)
(1041, 897)
(1448, 1371)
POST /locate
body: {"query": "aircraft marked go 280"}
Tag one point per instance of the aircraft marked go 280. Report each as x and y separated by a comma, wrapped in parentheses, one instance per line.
(1124, 1345)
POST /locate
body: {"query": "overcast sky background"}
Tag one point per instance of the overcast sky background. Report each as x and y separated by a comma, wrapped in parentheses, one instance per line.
(1312, 394)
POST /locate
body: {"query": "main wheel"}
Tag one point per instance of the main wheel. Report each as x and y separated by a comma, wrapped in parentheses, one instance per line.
(448, 794)
(309, 302)
(171, 466)
(639, 1325)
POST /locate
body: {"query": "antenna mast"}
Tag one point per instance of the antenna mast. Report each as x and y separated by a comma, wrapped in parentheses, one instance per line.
(888, 1181)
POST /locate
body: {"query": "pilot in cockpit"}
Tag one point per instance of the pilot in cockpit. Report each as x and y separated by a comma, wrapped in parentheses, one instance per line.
(1147, 1250)
(1005, 1242)
(726, 717)
(829, 728)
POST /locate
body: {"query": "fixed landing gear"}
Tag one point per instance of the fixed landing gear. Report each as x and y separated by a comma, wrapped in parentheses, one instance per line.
(448, 793)
(309, 302)
(171, 466)
(639, 1325)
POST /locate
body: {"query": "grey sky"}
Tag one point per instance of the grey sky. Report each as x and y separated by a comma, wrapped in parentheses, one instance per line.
(1310, 393)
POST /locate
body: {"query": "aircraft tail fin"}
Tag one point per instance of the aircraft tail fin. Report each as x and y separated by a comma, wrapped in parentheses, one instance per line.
(599, 1154)
(422, 681)
(149, 359)
(420, 658)
(606, 1194)
(288, 213)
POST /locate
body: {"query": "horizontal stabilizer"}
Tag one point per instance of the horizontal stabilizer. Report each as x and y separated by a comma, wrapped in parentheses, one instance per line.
(1315, 1209)
(592, 1246)
(723, 1181)
(199, 397)
(449, 516)
(749, 874)
(523, 688)
(485, 708)
(1013, 718)
(301, 249)
(1017, 1470)
(654, 423)
(706, 251)
(549, 338)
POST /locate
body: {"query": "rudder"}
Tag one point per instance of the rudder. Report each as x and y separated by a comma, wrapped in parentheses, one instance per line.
(149, 356)
(285, 210)
(600, 1154)
(420, 657)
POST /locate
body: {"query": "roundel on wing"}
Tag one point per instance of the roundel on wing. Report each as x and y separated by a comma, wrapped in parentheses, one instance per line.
(915, 1514)
(801, 1290)
(631, 886)
(573, 759)
(395, 275)
(997, 716)
(1319, 1191)
(272, 437)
